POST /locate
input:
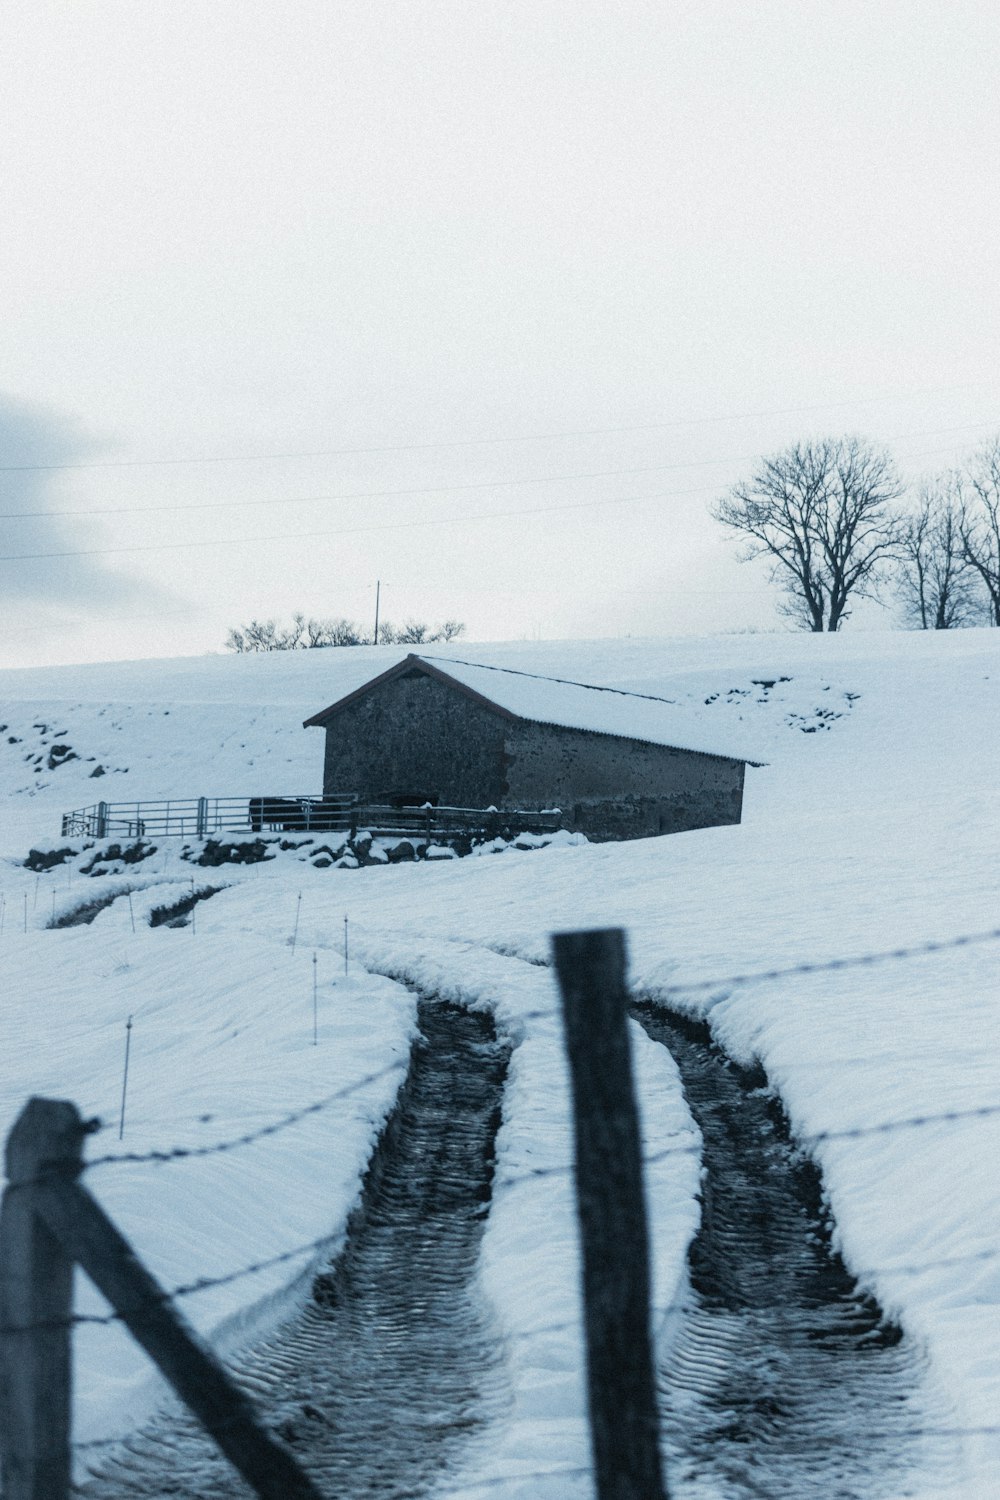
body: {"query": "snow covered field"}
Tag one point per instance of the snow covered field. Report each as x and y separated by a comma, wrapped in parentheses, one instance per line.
(872, 827)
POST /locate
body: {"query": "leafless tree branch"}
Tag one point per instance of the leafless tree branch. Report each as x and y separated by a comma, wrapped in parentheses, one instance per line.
(937, 585)
(822, 513)
(979, 525)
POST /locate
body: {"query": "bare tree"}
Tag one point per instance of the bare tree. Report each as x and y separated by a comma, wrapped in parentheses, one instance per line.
(980, 522)
(418, 633)
(259, 635)
(316, 633)
(450, 630)
(291, 638)
(309, 633)
(339, 632)
(822, 513)
(413, 633)
(937, 584)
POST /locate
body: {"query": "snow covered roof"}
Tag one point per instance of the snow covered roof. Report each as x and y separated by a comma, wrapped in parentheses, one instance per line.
(568, 704)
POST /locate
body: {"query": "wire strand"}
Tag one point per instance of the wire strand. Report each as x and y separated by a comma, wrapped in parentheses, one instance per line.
(427, 489)
(530, 437)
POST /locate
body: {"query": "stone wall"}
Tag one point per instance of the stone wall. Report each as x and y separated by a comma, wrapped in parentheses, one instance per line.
(618, 788)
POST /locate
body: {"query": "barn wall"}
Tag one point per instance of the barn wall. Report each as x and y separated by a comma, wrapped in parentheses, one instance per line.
(618, 788)
(415, 734)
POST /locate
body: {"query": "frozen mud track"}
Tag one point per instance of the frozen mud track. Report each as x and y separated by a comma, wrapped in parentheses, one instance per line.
(783, 1379)
(391, 1369)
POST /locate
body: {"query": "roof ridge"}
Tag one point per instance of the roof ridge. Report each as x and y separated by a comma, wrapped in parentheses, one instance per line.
(594, 687)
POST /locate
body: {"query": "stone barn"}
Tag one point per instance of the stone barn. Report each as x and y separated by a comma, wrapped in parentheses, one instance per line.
(618, 765)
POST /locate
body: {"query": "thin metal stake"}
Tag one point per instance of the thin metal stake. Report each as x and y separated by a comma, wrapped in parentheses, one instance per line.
(128, 1043)
(193, 907)
(53, 908)
(25, 911)
(35, 901)
(295, 929)
(315, 1006)
(130, 911)
(345, 945)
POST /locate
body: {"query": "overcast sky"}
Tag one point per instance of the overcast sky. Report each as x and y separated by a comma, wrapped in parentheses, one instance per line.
(485, 300)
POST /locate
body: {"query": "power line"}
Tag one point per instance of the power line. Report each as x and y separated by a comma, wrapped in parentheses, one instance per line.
(300, 536)
(426, 489)
(463, 520)
(529, 437)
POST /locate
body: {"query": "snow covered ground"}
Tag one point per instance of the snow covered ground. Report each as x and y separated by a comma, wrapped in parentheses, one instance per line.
(872, 827)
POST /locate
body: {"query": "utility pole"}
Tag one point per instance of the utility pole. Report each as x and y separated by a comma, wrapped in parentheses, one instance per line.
(378, 590)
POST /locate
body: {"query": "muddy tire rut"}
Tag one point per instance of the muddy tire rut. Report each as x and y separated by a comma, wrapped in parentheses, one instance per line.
(782, 1379)
(392, 1369)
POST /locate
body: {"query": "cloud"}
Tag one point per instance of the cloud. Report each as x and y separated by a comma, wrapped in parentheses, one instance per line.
(29, 499)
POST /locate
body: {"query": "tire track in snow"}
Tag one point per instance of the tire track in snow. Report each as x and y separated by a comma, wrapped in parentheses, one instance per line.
(171, 914)
(392, 1369)
(778, 1376)
(783, 1378)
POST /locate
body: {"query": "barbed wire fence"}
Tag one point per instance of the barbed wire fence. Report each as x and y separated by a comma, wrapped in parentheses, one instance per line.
(179, 1154)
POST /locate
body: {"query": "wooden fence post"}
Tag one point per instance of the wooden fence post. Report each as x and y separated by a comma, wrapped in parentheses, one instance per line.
(623, 1415)
(36, 1295)
(50, 1222)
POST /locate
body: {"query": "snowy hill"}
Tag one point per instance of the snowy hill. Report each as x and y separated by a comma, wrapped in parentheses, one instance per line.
(872, 827)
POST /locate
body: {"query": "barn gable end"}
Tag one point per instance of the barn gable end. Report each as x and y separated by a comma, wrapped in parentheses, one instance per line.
(409, 734)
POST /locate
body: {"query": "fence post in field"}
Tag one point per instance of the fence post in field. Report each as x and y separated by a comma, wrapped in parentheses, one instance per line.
(201, 828)
(102, 820)
(49, 1223)
(36, 1293)
(611, 1204)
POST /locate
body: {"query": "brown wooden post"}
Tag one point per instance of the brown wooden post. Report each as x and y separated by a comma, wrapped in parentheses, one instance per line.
(623, 1415)
(36, 1295)
(48, 1222)
(190, 1366)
